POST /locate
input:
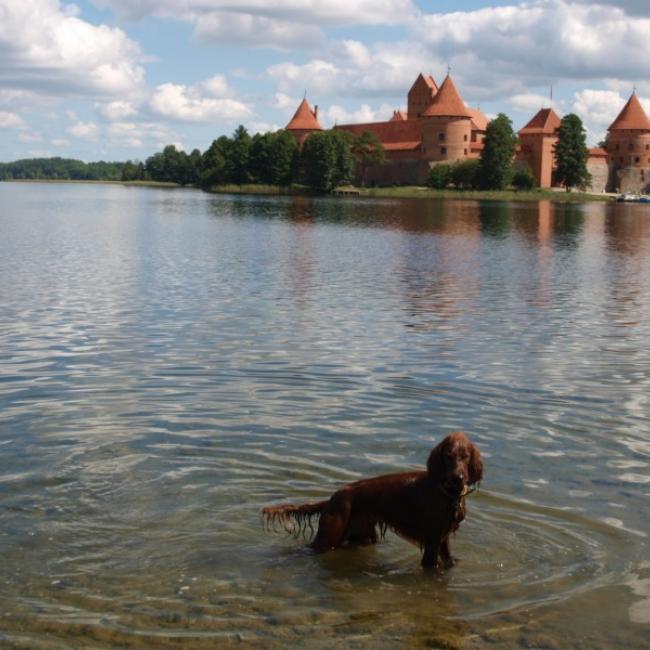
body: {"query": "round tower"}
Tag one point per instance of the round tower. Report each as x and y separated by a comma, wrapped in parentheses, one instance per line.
(446, 126)
(628, 149)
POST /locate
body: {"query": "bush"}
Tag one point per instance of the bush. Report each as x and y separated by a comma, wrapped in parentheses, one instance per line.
(523, 179)
(439, 177)
(465, 174)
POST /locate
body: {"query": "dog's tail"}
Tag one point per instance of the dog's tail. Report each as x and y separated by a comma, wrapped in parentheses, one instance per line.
(294, 520)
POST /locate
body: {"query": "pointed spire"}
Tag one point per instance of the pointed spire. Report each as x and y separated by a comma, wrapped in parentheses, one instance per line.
(448, 102)
(304, 118)
(632, 117)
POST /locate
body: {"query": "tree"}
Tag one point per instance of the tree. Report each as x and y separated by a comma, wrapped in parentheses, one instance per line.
(523, 179)
(571, 153)
(465, 174)
(239, 156)
(214, 163)
(326, 160)
(367, 150)
(439, 176)
(498, 152)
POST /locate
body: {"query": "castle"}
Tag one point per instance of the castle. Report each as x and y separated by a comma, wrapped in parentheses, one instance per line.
(438, 127)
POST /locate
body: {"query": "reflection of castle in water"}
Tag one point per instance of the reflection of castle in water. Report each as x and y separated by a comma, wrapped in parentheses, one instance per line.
(438, 127)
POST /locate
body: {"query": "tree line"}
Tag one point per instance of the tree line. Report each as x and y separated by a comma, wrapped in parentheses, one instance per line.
(494, 170)
(326, 159)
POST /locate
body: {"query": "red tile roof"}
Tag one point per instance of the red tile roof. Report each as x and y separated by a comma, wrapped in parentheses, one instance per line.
(402, 146)
(428, 81)
(447, 102)
(546, 121)
(398, 131)
(479, 119)
(304, 118)
(632, 117)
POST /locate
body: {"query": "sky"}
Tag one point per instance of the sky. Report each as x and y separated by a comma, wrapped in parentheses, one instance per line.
(120, 79)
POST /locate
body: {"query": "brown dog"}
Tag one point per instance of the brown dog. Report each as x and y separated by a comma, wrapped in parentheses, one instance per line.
(424, 507)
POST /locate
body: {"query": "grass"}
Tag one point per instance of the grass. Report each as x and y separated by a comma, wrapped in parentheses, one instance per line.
(414, 191)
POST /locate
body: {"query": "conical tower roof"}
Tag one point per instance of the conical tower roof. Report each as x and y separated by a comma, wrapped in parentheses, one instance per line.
(545, 121)
(632, 117)
(304, 118)
(447, 102)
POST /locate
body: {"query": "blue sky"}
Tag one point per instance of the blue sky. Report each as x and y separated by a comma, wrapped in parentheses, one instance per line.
(120, 79)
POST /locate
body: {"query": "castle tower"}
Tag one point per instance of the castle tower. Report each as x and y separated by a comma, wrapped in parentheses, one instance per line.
(537, 142)
(304, 122)
(421, 95)
(628, 149)
(446, 126)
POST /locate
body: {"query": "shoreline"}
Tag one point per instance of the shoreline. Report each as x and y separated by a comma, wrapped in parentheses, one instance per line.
(401, 192)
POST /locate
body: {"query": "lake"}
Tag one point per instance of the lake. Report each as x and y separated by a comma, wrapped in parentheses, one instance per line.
(172, 361)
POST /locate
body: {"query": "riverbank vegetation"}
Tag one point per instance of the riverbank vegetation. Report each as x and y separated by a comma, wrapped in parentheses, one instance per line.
(274, 163)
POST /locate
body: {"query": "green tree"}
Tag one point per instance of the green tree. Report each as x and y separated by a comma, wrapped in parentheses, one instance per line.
(367, 150)
(326, 160)
(214, 163)
(238, 158)
(523, 179)
(465, 174)
(498, 152)
(571, 153)
(439, 176)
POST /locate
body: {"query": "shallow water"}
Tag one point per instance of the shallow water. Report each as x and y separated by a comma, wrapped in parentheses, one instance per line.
(172, 361)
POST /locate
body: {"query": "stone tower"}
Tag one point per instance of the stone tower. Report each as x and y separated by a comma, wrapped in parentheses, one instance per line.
(446, 126)
(537, 141)
(421, 95)
(628, 149)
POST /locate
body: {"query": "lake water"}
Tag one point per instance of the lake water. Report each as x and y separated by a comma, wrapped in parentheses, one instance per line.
(172, 361)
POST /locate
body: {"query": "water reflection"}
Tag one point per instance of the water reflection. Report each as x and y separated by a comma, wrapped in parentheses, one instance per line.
(170, 362)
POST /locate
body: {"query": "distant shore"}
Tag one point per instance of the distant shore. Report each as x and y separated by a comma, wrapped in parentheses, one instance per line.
(95, 182)
(398, 192)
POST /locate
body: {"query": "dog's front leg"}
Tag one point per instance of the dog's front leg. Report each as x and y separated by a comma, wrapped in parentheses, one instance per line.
(430, 555)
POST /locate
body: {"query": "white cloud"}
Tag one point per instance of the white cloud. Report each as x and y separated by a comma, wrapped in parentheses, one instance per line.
(84, 130)
(598, 107)
(117, 110)
(11, 121)
(338, 115)
(45, 48)
(354, 69)
(535, 42)
(258, 31)
(324, 12)
(268, 23)
(60, 142)
(194, 104)
(531, 102)
(135, 135)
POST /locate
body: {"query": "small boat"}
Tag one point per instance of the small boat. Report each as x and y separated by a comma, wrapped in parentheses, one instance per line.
(628, 197)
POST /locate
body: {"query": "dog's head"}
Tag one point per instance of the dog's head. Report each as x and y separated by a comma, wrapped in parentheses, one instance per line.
(455, 463)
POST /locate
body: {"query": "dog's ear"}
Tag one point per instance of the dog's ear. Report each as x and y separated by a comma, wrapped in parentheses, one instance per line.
(436, 461)
(475, 465)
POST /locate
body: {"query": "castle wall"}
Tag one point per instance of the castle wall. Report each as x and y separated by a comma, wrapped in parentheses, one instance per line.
(537, 151)
(599, 171)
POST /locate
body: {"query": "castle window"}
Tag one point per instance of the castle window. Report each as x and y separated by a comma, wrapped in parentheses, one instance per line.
(465, 151)
(630, 147)
(617, 146)
(441, 137)
(637, 160)
(465, 138)
(443, 150)
(647, 147)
